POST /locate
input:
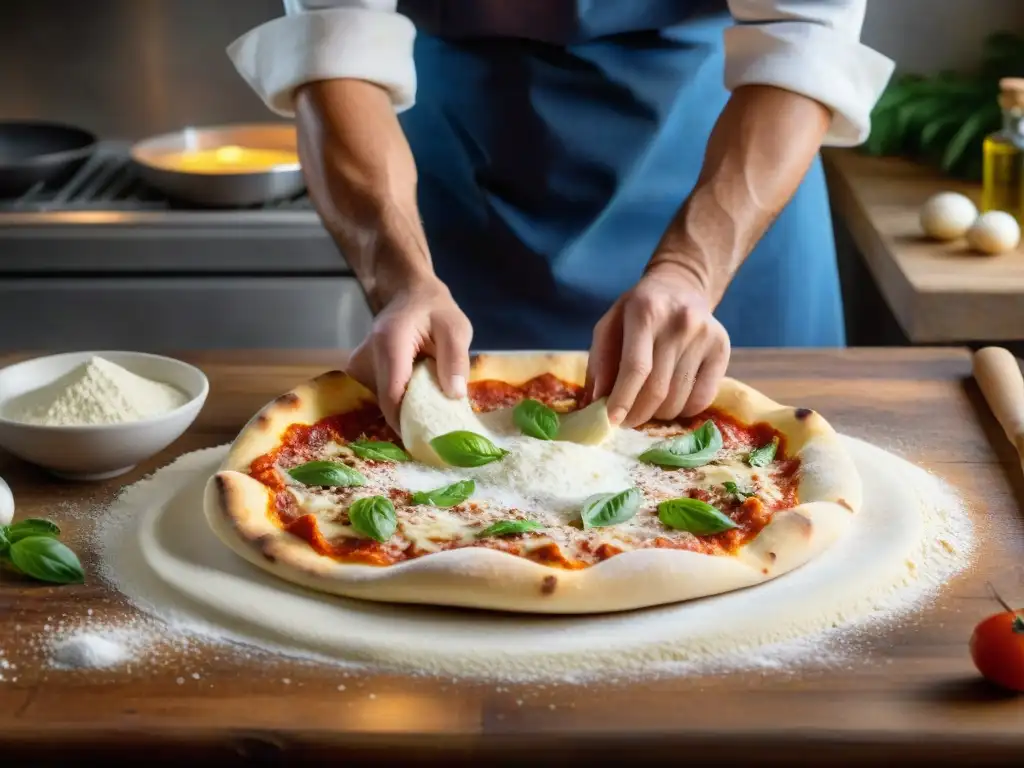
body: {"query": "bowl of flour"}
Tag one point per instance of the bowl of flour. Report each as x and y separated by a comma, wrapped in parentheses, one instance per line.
(96, 415)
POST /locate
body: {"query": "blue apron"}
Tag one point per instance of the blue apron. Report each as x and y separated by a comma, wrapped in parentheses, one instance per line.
(556, 139)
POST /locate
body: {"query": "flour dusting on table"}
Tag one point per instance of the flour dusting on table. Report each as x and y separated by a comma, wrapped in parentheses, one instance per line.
(88, 650)
(7, 669)
(757, 631)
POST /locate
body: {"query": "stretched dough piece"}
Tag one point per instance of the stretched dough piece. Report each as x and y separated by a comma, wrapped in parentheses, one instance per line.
(427, 412)
(587, 426)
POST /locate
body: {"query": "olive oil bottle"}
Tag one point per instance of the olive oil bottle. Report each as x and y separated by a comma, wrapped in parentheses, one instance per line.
(1003, 181)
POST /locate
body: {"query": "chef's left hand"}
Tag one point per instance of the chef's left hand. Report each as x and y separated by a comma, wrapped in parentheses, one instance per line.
(658, 352)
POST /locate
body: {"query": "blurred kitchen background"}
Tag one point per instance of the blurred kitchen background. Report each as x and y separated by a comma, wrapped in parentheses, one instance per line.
(105, 263)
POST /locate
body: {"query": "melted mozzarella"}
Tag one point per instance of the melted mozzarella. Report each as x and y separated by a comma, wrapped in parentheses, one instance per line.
(314, 503)
(747, 478)
(429, 528)
(538, 476)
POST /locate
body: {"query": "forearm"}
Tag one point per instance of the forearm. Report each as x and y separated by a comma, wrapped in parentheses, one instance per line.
(758, 153)
(362, 180)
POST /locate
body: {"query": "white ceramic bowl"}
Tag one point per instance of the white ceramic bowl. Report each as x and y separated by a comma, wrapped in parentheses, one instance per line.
(97, 452)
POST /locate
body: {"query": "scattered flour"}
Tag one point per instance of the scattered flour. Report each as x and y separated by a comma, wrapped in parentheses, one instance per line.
(88, 651)
(7, 669)
(96, 392)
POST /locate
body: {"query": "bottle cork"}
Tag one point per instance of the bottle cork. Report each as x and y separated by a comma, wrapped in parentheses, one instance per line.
(1011, 93)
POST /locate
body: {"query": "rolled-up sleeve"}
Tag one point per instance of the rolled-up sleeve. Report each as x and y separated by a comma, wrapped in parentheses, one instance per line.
(810, 47)
(326, 40)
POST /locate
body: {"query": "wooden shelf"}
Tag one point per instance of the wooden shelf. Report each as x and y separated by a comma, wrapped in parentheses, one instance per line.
(939, 292)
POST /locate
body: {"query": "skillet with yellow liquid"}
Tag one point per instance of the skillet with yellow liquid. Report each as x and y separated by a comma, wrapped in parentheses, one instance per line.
(229, 165)
(227, 159)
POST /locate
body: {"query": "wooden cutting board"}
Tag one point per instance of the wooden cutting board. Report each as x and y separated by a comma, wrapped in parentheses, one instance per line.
(913, 696)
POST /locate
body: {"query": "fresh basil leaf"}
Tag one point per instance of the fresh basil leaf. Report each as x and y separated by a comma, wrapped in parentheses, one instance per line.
(535, 419)
(327, 473)
(509, 527)
(763, 456)
(736, 491)
(448, 496)
(5, 543)
(693, 515)
(691, 450)
(610, 508)
(374, 516)
(32, 526)
(378, 451)
(466, 449)
(46, 559)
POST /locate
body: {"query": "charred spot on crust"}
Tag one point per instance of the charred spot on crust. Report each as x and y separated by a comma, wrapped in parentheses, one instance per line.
(844, 503)
(773, 557)
(764, 571)
(223, 490)
(548, 585)
(288, 399)
(803, 413)
(263, 542)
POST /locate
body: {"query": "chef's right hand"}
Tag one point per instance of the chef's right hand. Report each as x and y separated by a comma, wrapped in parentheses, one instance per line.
(421, 319)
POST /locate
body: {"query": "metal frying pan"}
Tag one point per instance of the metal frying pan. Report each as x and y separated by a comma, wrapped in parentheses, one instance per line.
(221, 189)
(34, 151)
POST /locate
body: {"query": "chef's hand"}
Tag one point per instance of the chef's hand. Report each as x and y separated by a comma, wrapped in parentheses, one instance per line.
(422, 319)
(658, 352)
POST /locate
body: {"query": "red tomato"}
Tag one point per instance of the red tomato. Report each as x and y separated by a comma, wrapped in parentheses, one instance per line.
(997, 648)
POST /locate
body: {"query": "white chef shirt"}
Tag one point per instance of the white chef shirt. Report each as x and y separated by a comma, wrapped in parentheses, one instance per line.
(811, 47)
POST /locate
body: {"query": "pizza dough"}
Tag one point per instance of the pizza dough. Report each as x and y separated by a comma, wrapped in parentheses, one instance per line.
(427, 412)
(236, 505)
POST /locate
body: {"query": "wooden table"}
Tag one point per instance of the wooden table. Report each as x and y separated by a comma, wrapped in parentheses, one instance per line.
(938, 292)
(915, 695)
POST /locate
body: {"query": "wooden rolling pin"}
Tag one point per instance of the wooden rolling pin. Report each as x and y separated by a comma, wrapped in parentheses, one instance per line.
(1000, 380)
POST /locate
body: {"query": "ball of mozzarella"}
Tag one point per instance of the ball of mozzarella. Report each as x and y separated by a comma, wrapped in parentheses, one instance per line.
(994, 232)
(947, 215)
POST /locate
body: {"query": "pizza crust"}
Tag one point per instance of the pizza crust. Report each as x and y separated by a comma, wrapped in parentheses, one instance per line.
(329, 393)
(236, 509)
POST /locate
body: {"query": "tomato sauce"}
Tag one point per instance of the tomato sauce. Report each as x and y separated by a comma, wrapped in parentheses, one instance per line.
(490, 394)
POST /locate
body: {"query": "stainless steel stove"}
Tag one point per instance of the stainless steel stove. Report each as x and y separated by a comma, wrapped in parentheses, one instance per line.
(105, 261)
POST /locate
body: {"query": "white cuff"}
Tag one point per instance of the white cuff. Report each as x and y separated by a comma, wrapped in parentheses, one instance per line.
(279, 56)
(815, 61)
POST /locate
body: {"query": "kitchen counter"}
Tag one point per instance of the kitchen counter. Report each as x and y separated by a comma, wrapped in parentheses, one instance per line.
(913, 695)
(939, 292)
